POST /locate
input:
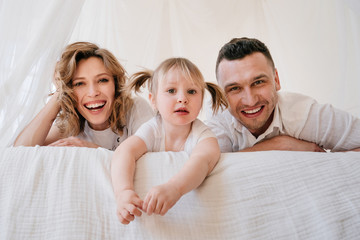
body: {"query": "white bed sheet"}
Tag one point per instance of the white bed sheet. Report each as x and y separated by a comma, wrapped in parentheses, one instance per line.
(66, 193)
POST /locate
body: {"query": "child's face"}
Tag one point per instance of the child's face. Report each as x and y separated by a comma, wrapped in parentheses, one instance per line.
(178, 100)
(94, 89)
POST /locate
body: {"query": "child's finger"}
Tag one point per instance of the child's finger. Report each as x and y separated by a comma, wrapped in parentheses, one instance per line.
(134, 210)
(138, 202)
(121, 219)
(151, 206)
(159, 206)
(164, 209)
(127, 215)
(146, 203)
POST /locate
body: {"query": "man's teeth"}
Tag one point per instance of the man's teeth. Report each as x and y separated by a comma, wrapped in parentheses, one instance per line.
(253, 111)
(95, 105)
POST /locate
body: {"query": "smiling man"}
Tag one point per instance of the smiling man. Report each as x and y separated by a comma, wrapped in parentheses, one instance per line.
(261, 118)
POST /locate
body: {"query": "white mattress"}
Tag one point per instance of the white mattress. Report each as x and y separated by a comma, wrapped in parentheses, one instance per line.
(66, 193)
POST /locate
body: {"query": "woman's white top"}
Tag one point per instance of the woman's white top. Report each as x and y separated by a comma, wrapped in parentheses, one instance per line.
(138, 114)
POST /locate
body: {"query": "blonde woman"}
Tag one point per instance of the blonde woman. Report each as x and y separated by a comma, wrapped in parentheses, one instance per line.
(89, 107)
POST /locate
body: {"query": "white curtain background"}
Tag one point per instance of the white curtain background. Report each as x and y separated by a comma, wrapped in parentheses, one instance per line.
(315, 43)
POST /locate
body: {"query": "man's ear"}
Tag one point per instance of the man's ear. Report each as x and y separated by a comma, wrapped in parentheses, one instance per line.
(277, 80)
(152, 101)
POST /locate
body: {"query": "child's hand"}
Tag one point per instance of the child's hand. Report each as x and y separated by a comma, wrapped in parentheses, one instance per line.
(128, 206)
(160, 199)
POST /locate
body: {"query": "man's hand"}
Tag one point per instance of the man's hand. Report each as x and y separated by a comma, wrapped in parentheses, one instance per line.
(284, 143)
(160, 199)
(73, 142)
(128, 206)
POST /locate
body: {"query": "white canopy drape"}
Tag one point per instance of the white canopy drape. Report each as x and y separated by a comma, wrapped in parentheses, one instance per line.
(314, 43)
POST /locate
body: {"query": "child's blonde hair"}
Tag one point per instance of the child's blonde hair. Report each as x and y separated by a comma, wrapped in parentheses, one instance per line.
(188, 69)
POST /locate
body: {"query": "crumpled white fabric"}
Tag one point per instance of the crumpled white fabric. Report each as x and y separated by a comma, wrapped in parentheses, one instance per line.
(66, 193)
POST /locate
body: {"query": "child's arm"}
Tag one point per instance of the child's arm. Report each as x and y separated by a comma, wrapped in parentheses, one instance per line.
(122, 175)
(201, 162)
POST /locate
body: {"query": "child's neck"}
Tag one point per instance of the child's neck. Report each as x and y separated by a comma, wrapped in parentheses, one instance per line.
(176, 136)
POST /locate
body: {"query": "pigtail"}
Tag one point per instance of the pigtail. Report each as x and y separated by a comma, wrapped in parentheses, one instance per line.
(137, 80)
(218, 97)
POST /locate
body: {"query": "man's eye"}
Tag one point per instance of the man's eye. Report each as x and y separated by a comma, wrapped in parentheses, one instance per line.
(192, 91)
(171, 90)
(258, 82)
(234, 89)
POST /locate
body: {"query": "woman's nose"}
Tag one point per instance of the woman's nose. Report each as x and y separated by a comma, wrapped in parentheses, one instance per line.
(93, 90)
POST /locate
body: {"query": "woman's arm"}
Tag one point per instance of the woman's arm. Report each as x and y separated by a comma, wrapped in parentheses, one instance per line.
(37, 131)
(201, 162)
(122, 176)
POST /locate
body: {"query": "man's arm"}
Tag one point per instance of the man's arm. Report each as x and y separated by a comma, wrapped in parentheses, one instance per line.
(332, 128)
(284, 143)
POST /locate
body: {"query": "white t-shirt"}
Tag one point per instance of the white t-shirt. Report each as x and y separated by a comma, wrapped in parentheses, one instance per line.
(139, 113)
(153, 134)
(297, 116)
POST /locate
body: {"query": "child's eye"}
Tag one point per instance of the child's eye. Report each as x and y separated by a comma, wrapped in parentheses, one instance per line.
(192, 91)
(171, 90)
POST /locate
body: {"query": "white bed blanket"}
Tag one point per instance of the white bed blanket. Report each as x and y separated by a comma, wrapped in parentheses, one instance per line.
(66, 193)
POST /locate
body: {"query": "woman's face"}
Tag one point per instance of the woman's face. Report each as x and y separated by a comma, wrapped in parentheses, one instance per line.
(94, 90)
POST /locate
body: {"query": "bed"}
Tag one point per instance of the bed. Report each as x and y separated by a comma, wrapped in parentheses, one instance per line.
(66, 193)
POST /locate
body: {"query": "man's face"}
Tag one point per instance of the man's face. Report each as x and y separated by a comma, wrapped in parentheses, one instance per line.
(251, 86)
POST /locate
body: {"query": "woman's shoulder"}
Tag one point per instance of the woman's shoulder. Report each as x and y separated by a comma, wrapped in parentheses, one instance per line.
(139, 114)
(141, 108)
(140, 102)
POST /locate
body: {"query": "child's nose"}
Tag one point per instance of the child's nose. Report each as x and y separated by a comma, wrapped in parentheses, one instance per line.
(182, 98)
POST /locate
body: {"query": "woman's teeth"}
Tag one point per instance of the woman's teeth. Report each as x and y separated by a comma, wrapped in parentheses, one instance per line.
(94, 105)
(252, 111)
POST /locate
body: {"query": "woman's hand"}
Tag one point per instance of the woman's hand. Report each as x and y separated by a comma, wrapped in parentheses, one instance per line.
(160, 199)
(128, 206)
(73, 142)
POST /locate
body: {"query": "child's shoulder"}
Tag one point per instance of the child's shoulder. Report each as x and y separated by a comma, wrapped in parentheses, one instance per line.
(200, 127)
(199, 124)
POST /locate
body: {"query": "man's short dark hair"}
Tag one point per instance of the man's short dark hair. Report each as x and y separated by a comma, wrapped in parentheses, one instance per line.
(239, 48)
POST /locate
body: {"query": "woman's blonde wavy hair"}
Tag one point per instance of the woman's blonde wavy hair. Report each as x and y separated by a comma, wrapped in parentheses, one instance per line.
(69, 120)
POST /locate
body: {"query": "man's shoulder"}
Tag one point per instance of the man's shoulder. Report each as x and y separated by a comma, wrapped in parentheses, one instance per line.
(294, 110)
(292, 98)
(290, 102)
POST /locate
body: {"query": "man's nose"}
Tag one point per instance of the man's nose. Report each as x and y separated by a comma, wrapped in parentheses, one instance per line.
(249, 97)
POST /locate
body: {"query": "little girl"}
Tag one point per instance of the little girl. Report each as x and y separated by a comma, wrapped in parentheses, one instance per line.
(176, 90)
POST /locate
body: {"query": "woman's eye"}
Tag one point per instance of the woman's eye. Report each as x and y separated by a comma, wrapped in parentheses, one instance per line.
(104, 80)
(77, 84)
(192, 91)
(171, 90)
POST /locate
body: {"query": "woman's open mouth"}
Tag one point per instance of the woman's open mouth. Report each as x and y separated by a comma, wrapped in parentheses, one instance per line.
(94, 106)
